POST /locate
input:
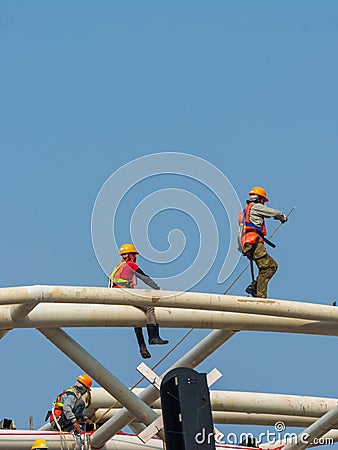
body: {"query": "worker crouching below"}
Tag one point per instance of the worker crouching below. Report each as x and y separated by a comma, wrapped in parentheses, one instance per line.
(125, 275)
(69, 406)
(252, 232)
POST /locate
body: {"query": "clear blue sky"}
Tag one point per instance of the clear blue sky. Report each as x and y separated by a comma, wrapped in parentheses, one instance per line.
(89, 86)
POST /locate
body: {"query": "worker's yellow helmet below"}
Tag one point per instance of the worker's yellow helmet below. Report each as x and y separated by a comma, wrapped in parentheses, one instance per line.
(128, 248)
(85, 380)
(259, 191)
(39, 443)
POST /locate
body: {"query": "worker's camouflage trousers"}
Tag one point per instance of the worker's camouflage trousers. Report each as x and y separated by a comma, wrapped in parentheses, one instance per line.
(267, 267)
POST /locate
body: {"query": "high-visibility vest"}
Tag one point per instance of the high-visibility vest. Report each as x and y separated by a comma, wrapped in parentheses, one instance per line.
(250, 233)
(58, 405)
(118, 277)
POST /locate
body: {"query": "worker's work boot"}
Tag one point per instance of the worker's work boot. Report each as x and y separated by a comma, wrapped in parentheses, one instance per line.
(154, 336)
(252, 289)
(141, 343)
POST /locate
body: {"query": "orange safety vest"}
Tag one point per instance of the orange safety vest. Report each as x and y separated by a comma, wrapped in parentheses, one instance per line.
(250, 233)
(121, 278)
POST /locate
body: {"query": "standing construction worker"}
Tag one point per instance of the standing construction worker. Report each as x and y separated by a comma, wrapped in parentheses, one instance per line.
(69, 406)
(125, 275)
(252, 232)
(39, 443)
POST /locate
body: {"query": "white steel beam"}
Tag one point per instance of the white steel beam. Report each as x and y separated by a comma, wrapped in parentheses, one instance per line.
(240, 418)
(149, 374)
(23, 440)
(97, 371)
(315, 431)
(195, 356)
(3, 333)
(169, 299)
(51, 316)
(328, 438)
(19, 312)
(250, 402)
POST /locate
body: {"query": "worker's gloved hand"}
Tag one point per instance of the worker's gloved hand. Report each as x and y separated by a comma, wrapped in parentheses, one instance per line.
(88, 421)
(284, 218)
(77, 428)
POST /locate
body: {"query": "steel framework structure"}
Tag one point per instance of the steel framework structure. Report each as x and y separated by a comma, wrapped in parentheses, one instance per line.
(50, 309)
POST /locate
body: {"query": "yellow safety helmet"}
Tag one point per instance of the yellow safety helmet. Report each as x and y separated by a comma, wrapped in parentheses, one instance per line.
(259, 191)
(128, 248)
(39, 443)
(85, 380)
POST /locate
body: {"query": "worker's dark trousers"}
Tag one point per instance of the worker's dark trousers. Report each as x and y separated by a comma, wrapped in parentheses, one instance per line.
(267, 267)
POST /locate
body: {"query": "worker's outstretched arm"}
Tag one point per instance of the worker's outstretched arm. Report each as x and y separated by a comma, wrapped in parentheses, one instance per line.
(146, 279)
(259, 210)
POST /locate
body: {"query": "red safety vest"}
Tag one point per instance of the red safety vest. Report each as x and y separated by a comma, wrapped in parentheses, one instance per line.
(249, 233)
(122, 276)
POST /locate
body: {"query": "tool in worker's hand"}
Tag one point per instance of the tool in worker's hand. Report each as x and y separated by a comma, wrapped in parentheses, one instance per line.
(79, 439)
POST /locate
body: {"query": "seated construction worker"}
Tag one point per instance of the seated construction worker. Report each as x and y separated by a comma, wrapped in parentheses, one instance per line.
(39, 443)
(125, 275)
(69, 406)
(252, 232)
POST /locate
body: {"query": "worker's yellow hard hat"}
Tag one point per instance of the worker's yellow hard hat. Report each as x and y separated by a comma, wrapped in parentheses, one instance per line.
(128, 248)
(85, 380)
(39, 443)
(259, 191)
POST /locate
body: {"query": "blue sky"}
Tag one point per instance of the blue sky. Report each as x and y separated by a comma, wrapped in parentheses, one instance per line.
(87, 87)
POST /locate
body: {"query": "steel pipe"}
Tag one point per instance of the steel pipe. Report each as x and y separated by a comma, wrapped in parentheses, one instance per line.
(51, 316)
(315, 431)
(97, 371)
(3, 333)
(169, 299)
(23, 440)
(239, 418)
(233, 401)
(195, 356)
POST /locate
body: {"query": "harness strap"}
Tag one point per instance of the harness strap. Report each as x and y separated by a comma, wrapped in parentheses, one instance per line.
(266, 240)
(120, 281)
(121, 284)
(252, 228)
(252, 270)
(250, 255)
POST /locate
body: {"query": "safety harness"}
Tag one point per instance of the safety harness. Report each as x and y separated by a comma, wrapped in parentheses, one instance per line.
(249, 227)
(58, 405)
